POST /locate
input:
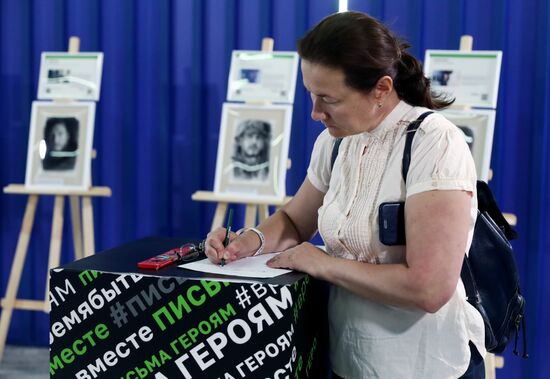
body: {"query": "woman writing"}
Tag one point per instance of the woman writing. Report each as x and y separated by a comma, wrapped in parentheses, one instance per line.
(394, 311)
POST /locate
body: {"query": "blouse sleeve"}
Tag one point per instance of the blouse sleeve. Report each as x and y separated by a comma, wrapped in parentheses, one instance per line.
(441, 159)
(319, 169)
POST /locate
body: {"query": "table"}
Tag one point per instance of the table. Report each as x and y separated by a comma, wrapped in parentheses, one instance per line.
(110, 319)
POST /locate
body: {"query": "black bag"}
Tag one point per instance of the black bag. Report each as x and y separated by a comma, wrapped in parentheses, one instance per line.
(489, 271)
(491, 278)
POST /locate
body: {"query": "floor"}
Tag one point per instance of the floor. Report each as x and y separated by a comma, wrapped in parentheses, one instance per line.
(24, 363)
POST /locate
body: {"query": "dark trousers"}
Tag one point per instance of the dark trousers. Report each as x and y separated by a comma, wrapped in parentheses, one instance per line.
(476, 369)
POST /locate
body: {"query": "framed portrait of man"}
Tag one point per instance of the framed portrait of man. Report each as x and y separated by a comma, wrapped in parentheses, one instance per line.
(253, 151)
(60, 145)
(478, 127)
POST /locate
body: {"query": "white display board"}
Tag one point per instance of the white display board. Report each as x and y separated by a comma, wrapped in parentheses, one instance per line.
(470, 77)
(70, 76)
(478, 126)
(262, 76)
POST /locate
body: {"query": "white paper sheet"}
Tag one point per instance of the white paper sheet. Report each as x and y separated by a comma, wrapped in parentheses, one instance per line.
(250, 267)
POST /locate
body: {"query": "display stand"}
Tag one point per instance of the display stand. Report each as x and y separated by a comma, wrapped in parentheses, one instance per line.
(82, 228)
(255, 210)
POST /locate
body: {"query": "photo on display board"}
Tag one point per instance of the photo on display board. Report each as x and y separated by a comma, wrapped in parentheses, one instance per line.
(253, 151)
(478, 128)
(60, 145)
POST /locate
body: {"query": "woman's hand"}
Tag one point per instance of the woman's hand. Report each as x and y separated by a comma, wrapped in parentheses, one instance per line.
(213, 247)
(305, 258)
(239, 246)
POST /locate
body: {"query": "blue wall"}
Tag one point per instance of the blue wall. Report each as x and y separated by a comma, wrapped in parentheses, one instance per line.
(164, 80)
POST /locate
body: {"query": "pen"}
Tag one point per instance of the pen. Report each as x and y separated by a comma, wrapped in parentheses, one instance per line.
(227, 230)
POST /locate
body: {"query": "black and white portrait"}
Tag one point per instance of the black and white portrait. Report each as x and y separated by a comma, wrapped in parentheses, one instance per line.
(251, 150)
(477, 126)
(469, 136)
(60, 145)
(61, 142)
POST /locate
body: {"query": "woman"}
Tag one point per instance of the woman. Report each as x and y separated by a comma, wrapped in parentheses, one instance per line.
(394, 312)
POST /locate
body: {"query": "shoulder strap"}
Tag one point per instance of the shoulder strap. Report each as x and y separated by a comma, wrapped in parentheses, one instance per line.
(334, 154)
(486, 202)
(411, 131)
(472, 294)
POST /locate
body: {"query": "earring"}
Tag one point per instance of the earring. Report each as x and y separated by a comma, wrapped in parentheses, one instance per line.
(379, 105)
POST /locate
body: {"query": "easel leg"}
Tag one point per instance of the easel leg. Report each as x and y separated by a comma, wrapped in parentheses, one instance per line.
(219, 215)
(16, 269)
(250, 215)
(55, 242)
(88, 222)
(77, 226)
(490, 372)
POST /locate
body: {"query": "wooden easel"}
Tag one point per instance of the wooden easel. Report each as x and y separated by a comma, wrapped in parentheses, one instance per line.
(83, 236)
(255, 210)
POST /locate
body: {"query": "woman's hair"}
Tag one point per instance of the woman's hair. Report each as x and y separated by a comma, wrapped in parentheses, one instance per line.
(366, 50)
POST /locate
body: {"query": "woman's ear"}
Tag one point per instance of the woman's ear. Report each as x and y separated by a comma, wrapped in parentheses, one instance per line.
(383, 87)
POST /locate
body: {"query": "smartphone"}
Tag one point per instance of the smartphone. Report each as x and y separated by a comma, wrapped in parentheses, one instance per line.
(391, 223)
(159, 261)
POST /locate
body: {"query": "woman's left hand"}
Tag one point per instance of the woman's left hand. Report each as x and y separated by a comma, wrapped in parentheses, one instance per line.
(304, 257)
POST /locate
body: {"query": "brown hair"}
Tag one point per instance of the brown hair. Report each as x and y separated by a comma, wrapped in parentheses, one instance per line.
(366, 50)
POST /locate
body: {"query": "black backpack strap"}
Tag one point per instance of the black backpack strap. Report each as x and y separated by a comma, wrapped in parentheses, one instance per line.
(486, 203)
(334, 154)
(469, 282)
(411, 131)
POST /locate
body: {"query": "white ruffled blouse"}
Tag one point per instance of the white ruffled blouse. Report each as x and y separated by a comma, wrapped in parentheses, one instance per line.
(368, 339)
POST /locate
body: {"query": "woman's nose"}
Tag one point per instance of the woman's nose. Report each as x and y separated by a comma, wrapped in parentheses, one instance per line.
(317, 113)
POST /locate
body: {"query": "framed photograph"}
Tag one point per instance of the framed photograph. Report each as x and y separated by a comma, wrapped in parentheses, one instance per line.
(60, 145)
(262, 76)
(470, 77)
(253, 151)
(70, 76)
(478, 127)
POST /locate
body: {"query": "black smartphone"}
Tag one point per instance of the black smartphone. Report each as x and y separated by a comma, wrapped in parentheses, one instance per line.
(391, 223)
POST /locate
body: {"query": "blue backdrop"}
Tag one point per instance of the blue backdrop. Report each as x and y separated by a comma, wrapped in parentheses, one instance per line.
(164, 81)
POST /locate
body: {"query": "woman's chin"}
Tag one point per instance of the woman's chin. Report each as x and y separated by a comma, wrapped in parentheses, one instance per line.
(334, 131)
